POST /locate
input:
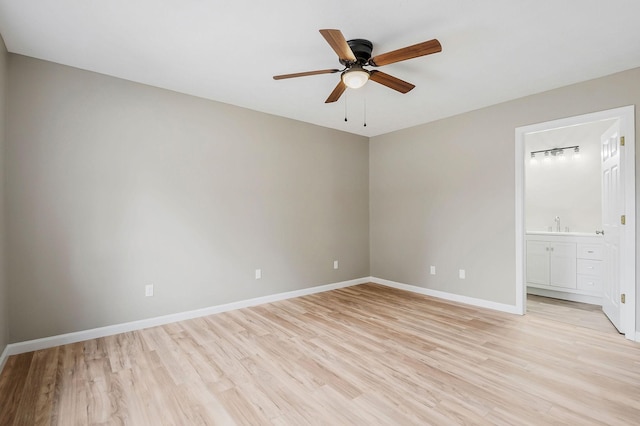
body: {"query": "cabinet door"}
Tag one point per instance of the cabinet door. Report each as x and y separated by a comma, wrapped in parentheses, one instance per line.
(562, 265)
(538, 262)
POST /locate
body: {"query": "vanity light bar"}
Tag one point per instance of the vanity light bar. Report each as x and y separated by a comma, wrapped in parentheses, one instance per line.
(556, 151)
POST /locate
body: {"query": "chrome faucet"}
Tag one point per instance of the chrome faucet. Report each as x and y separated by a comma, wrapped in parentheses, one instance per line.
(557, 220)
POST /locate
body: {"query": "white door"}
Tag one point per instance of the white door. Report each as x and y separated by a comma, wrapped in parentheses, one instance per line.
(612, 209)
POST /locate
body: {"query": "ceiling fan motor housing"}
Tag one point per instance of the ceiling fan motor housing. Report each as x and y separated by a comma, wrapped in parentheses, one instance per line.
(361, 49)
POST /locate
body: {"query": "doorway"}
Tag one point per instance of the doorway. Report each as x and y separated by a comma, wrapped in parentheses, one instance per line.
(627, 277)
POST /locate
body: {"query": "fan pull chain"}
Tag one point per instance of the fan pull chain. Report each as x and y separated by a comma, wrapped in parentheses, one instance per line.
(365, 111)
(345, 108)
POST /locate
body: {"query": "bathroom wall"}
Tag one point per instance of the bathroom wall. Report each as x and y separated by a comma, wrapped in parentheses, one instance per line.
(566, 186)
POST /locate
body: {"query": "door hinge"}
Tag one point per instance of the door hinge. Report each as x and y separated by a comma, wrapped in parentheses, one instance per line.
(621, 140)
(623, 298)
(623, 219)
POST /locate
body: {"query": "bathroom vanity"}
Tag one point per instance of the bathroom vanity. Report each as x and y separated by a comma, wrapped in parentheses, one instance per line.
(565, 265)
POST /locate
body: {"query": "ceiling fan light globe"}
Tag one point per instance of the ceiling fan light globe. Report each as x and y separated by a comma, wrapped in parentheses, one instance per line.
(355, 78)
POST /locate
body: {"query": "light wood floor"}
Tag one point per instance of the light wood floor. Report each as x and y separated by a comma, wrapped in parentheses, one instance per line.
(362, 355)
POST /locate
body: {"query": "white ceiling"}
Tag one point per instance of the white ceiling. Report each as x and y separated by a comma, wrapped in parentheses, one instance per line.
(228, 51)
(580, 134)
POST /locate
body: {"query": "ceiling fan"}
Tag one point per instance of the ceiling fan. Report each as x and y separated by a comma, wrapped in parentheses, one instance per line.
(356, 54)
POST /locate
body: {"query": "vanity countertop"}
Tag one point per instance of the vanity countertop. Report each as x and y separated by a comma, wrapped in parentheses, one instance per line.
(568, 234)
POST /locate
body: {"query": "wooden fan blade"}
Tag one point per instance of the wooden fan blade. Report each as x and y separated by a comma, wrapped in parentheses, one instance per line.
(409, 52)
(339, 45)
(337, 92)
(390, 81)
(303, 74)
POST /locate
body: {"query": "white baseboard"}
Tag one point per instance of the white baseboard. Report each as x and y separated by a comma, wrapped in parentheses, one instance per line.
(574, 297)
(512, 309)
(63, 339)
(3, 357)
(79, 336)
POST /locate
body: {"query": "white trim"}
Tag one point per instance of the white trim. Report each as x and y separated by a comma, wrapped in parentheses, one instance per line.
(3, 357)
(521, 294)
(564, 295)
(512, 309)
(628, 246)
(628, 281)
(79, 336)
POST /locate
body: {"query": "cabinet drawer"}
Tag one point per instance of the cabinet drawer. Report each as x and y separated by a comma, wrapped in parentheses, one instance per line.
(590, 251)
(587, 283)
(589, 267)
(563, 249)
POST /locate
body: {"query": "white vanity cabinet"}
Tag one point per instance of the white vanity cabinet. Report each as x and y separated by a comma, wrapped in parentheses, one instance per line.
(551, 263)
(565, 266)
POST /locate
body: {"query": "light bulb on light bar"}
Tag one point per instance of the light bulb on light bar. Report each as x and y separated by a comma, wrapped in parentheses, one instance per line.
(355, 77)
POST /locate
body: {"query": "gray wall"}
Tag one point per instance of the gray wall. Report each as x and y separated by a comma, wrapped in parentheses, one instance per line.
(443, 193)
(440, 196)
(114, 185)
(4, 290)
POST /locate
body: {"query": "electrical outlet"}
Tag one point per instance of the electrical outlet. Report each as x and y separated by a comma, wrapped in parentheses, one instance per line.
(258, 274)
(335, 264)
(432, 271)
(462, 274)
(148, 290)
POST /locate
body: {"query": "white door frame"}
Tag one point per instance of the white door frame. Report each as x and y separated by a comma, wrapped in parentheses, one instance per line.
(628, 245)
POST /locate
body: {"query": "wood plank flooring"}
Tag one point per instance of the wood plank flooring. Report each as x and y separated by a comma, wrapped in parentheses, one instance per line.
(573, 313)
(362, 355)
